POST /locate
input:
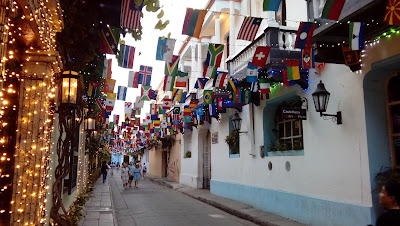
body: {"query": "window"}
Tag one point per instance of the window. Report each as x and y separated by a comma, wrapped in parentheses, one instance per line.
(393, 109)
(233, 153)
(290, 133)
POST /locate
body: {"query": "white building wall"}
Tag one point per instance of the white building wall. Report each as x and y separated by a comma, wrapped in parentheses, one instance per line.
(190, 166)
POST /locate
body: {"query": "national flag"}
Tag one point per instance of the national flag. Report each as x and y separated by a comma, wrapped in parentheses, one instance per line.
(193, 22)
(285, 78)
(165, 49)
(200, 83)
(121, 95)
(135, 111)
(126, 56)
(145, 75)
(307, 58)
(167, 103)
(232, 85)
(127, 119)
(108, 86)
(154, 94)
(186, 110)
(246, 96)
(133, 79)
(138, 102)
(210, 72)
(253, 87)
(220, 80)
(220, 104)
(271, 5)
(181, 79)
(107, 68)
(392, 13)
(131, 14)
(252, 73)
(177, 110)
(249, 28)
(264, 85)
(211, 109)
(116, 119)
(193, 103)
(169, 82)
(146, 92)
(351, 57)
(214, 55)
(260, 56)
(171, 68)
(304, 35)
(293, 71)
(100, 104)
(356, 35)
(110, 101)
(109, 40)
(94, 89)
(208, 96)
(128, 107)
(332, 9)
(181, 98)
(153, 109)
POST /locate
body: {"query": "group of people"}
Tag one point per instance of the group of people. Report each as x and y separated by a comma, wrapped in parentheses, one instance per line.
(129, 172)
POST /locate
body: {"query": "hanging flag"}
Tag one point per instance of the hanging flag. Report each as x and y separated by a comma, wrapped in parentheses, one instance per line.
(253, 87)
(109, 40)
(121, 95)
(210, 72)
(108, 86)
(307, 58)
(138, 103)
(332, 9)
(116, 119)
(167, 104)
(181, 98)
(214, 55)
(252, 73)
(126, 56)
(165, 49)
(193, 22)
(220, 80)
(127, 120)
(128, 107)
(94, 89)
(220, 104)
(181, 79)
(145, 75)
(110, 101)
(208, 96)
(293, 71)
(153, 109)
(100, 104)
(271, 5)
(285, 78)
(392, 12)
(134, 112)
(171, 68)
(193, 103)
(200, 83)
(107, 68)
(211, 109)
(232, 85)
(351, 57)
(154, 94)
(249, 28)
(186, 110)
(304, 35)
(356, 36)
(264, 85)
(169, 82)
(260, 56)
(131, 14)
(133, 79)
(246, 96)
(146, 92)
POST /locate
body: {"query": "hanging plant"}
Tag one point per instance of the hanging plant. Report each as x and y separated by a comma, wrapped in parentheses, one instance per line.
(233, 141)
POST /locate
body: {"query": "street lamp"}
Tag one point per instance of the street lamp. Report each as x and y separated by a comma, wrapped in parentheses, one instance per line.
(89, 124)
(321, 99)
(69, 89)
(237, 122)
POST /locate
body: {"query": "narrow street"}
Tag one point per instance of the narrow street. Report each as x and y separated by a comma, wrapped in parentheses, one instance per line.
(153, 204)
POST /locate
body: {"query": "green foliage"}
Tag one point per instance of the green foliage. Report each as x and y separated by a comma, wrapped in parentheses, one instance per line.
(92, 146)
(233, 141)
(188, 154)
(167, 142)
(391, 175)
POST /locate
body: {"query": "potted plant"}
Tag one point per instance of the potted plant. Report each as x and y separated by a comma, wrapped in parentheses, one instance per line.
(188, 154)
(282, 146)
(272, 146)
(233, 141)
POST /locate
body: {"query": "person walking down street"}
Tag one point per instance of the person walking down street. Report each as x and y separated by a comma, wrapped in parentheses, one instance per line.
(104, 168)
(112, 166)
(144, 169)
(136, 175)
(131, 172)
(124, 175)
(389, 197)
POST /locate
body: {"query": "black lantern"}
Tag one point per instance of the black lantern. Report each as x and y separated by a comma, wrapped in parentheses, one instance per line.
(236, 121)
(321, 99)
(69, 88)
(89, 124)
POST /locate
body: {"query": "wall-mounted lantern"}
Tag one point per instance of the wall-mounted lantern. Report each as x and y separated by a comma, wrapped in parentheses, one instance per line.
(321, 99)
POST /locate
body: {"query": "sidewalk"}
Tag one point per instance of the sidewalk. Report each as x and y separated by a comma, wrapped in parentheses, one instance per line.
(238, 209)
(99, 208)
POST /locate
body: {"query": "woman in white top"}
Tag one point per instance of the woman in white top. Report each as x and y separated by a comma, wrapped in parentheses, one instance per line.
(124, 175)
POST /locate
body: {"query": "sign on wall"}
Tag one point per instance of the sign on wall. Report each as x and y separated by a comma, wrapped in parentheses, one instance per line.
(288, 113)
(214, 138)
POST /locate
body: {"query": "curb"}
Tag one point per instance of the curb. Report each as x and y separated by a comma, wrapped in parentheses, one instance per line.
(112, 207)
(218, 205)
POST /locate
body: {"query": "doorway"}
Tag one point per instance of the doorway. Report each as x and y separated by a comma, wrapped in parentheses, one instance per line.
(207, 161)
(126, 159)
(164, 164)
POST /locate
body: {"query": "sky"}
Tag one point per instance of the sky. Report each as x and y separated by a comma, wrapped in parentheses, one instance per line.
(145, 49)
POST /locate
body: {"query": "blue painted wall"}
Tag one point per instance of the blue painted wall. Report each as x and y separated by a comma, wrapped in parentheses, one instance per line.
(304, 209)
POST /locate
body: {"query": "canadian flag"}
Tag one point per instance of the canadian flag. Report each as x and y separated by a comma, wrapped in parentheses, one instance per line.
(167, 104)
(260, 56)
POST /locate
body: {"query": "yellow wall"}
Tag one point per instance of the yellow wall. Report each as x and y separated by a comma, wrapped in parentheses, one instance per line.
(155, 159)
(174, 163)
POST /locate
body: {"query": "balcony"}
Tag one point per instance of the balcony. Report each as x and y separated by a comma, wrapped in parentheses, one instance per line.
(281, 40)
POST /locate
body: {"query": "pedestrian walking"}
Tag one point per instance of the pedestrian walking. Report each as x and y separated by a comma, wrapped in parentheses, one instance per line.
(104, 168)
(112, 166)
(136, 175)
(131, 172)
(144, 169)
(389, 197)
(124, 175)
(117, 166)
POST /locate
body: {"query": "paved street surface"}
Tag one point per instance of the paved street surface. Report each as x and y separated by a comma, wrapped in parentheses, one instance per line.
(153, 204)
